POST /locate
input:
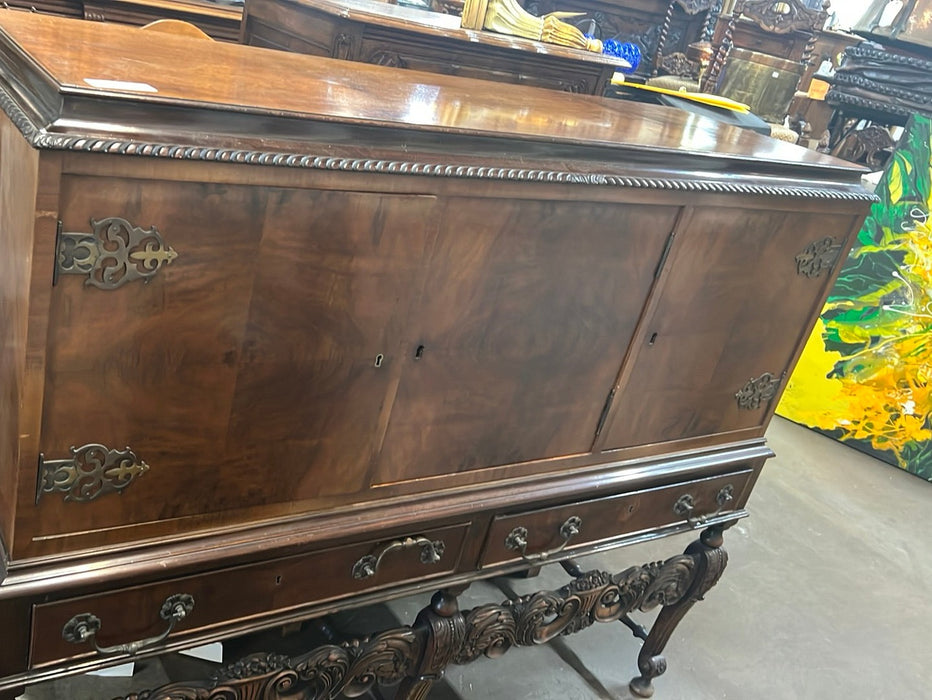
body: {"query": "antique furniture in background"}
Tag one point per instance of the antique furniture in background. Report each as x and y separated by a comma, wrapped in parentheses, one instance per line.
(809, 108)
(786, 29)
(909, 28)
(682, 70)
(764, 47)
(879, 86)
(218, 19)
(404, 37)
(658, 27)
(286, 335)
(508, 17)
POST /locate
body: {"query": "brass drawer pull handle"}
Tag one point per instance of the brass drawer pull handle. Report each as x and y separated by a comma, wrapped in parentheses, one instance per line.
(686, 504)
(84, 627)
(431, 551)
(516, 541)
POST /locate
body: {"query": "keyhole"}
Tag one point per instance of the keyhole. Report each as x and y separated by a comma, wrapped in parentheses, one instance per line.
(419, 353)
(653, 338)
(278, 580)
(378, 360)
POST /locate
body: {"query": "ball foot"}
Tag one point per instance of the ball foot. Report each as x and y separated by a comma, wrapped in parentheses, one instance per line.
(641, 686)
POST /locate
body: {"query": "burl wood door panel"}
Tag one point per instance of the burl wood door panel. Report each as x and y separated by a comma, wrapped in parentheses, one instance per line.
(733, 308)
(244, 373)
(527, 312)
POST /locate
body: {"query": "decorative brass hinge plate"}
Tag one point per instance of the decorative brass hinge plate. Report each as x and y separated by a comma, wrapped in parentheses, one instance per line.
(818, 257)
(758, 391)
(92, 471)
(114, 253)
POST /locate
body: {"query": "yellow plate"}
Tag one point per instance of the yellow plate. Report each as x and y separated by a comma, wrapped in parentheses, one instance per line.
(700, 97)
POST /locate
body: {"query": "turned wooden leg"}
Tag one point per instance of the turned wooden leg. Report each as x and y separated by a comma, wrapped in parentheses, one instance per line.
(445, 629)
(710, 560)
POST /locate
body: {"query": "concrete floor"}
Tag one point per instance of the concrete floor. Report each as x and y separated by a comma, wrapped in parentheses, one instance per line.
(827, 595)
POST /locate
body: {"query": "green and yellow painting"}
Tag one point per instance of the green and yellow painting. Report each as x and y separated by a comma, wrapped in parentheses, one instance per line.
(865, 376)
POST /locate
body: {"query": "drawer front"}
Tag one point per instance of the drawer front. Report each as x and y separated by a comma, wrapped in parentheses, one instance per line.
(236, 594)
(585, 523)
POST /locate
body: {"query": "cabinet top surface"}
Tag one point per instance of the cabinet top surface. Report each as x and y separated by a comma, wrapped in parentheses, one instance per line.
(87, 79)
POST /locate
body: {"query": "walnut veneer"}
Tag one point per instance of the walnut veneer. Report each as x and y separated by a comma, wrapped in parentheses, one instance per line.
(285, 335)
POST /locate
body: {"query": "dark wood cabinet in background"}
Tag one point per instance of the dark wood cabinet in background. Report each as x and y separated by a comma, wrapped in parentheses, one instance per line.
(640, 22)
(286, 335)
(385, 34)
(219, 20)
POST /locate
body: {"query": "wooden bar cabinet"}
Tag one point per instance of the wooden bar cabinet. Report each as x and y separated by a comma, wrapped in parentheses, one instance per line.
(284, 335)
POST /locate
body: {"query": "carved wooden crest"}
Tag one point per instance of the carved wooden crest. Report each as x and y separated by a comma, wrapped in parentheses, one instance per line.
(784, 16)
(677, 64)
(693, 7)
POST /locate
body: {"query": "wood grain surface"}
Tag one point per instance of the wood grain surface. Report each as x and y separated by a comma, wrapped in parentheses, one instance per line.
(207, 82)
(528, 310)
(733, 308)
(19, 171)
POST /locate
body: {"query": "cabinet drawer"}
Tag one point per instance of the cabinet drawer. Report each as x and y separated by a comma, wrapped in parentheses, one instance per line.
(240, 593)
(613, 517)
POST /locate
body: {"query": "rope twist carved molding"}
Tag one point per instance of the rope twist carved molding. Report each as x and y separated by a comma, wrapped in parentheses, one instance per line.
(883, 57)
(881, 87)
(836, 97)
(42, 140)
(351, 668)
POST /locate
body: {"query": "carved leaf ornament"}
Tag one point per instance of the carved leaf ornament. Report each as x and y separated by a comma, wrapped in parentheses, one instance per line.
(352, 668)
(784, 16)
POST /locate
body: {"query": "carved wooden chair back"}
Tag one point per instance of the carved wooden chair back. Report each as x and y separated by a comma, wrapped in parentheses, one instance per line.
(678, 63)
(772, 17)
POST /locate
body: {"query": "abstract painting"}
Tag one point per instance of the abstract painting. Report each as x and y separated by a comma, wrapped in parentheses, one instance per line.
(865, 376)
